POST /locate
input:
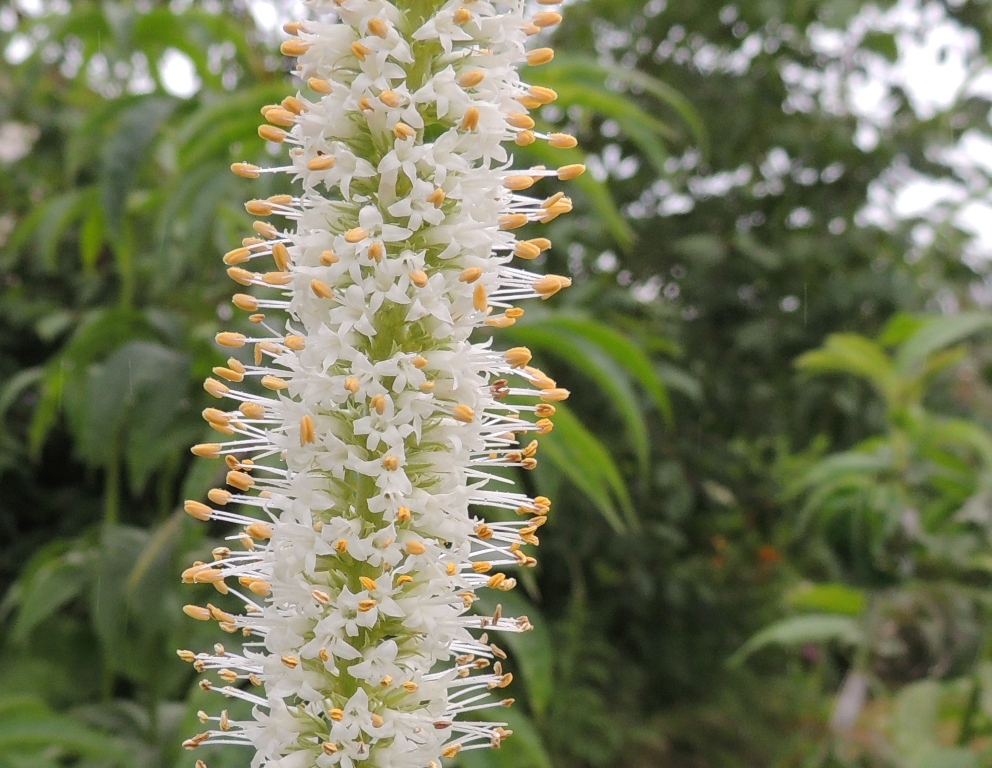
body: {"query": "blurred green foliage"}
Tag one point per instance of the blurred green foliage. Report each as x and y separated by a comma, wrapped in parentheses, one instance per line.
(772, 484)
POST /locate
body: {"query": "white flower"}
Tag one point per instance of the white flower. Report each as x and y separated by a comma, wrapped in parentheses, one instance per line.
(362, 428)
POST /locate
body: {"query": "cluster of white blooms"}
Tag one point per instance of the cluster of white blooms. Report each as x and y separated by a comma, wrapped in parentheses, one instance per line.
(365, 423)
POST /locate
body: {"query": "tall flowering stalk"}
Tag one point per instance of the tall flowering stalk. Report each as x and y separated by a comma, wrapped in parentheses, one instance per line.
(367, 420)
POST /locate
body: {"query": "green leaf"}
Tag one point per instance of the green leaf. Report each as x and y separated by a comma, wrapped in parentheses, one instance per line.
(854, 354)
(799, 630)
(125, 152)
(52, 584)
(936, 334)
(828, 598)
(579, 455)
(61, 732)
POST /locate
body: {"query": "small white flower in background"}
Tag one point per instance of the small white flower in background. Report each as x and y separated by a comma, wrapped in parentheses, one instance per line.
(367, 419)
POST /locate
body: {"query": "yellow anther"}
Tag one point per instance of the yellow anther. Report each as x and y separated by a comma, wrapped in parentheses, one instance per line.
(294, 105)
(569, 172)
(228, 339)
(327, 258)
(427, 386)
(196, 612)
(271, 133)
(419, 277)
(323, 655)
(321, 597)
(188, 656)
(376, 251)
(482, 566)
(265, 229)
(554, 395)
(360, 51)
(470, 120)
(528, 102)
(246, 170)
(480, 298)
(377, 721)
(414, 547)
(540, 379)
(517, 183)
(451, 751)
(462, 16)
(562, 140)
(547, 19)
(472, 78)
(259, 207)
(368, 583)
(295, 343)
(420, 362)
(378, 403)
(240, 480)
(390, 98)
(403, 515)
(548, 285)
(520, 120)
(307, 430)
(294, 47)
(542, 94)
(252, 410)
(321, 289)
(280, 199)
(525, 138)
(318, 85)
(208, 576)
(293, 27)
(274, 383)
(530, 28)
(529, 464)
(215, 388)
(245, 301)
(352, 384)
(280, 116)
(341, 545)
(336, 715)
(355, 235)
(496, 580)
(328, 748)
(406, 578)
(539, 56)
(364, 606)
(499, 321)
(277, 278)
(290, 661)
(259, 530)
(364, 104)
(219, 496)
(525, 249)
(197, 509)
(386, 681)
(241, 276)
(470, 275)
(436, 197)
(321, 163)
(512, 221)
(403, 131)
(206, 450)
(517, 357)
(463, 413)
(391, 463)
(378, 27)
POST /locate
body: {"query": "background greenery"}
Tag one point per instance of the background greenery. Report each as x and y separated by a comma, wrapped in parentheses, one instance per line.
(773, 484)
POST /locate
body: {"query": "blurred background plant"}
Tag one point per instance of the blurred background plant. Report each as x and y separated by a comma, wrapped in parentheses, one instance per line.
(773, 481)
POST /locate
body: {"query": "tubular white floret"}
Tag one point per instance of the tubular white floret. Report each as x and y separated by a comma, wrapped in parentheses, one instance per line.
(361, 428)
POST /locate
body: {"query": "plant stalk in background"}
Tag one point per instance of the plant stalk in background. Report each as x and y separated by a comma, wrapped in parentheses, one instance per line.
(367, 421)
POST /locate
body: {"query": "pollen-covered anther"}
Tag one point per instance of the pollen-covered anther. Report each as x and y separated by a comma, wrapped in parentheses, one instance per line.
(198, 510)
(328, 748)
(548, 285)
(480, 298)
(215, 388)
(414, 547)
(390, 98)
(252, 410)
(403, 515)
(259, 530)
(517, 357)
(562, 140)
(470, 120)
(451, 751)
(538, 56)
(240, 480)
(569, 172)
(294, 47)
(229, 339)
(352, 384)
(419, 278)
(403, 131)
(321, 163)
(525, 138)
(197, 612)
(246, 170)
(272, 133)
(518, 183)
(274, 383)
(378, 404)
(321, 289)
(319, 85)
(241, 276)
(471, 78)
(307, 430)
(206, 450)
(464, 413)
(470, 275)
(542, 94)
(376, 250)
(554, 395)
(355, 235)
(279, 116)
(547, 19)
(391, 463)
(512, 221)
(360, 51)
(196, 741)
(462, 16)
(327, 258)
(520, 120)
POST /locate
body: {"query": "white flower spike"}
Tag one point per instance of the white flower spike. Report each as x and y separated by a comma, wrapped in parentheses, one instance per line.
(366, 422)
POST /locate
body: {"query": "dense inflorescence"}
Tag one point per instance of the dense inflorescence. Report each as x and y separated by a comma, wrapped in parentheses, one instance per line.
(367, 420)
